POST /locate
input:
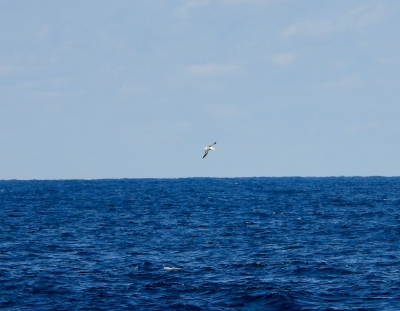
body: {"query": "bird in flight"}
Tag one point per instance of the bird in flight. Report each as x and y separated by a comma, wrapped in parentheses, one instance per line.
(208, 149)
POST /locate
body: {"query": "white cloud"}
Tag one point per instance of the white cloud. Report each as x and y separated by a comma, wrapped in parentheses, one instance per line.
(50, 95)
(347, 82)
(183, 11)
(282, 59)
(47, 94)
(24, 86)
(226, 111)
(4, 136)
(212, 69)
(44, 32)
(362, 127)
(363, 16)
(44, 88)
(309, 28)
(9, 69)
(134, 89)
(356, 18)
(261, 2)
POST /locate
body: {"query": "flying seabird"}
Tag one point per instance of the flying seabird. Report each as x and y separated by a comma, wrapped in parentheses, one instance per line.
(208, 149)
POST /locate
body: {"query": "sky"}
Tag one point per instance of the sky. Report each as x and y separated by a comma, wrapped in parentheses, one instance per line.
(136, 89)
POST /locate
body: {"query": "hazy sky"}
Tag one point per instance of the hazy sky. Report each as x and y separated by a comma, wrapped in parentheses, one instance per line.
(134, 89)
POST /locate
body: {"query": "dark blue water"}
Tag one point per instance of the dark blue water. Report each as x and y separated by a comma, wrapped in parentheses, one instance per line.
(201, 244)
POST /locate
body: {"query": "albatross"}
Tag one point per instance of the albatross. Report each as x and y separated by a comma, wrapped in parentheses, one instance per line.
(208, 149)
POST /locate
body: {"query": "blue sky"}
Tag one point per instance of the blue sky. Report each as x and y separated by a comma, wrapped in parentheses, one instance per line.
(135, 89)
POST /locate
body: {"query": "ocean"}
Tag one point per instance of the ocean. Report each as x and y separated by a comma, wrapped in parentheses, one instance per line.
(201, 244)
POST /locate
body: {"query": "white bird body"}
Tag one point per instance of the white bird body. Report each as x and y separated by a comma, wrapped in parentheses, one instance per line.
(208, 149)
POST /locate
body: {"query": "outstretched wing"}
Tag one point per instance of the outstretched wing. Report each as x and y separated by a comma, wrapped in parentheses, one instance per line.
(212, 144)
(205, 153)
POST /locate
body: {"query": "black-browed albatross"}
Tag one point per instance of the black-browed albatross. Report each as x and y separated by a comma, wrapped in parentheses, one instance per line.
(208, 149)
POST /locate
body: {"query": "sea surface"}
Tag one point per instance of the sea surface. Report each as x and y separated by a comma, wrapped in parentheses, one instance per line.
(201, 244)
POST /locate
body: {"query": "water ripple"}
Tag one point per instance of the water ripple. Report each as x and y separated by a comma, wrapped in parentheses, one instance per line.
(200, 244)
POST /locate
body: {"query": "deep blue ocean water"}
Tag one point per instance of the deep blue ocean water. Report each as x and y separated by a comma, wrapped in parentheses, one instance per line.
(200, 244)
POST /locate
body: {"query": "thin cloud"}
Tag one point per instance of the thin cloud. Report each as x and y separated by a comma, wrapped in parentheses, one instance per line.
(46, 94)
(260, 2)
(44, 32)
(310, 28)
(356, 18)
(134, 89)
(45, 88)
(4, 136)
(49, 95)
(282, 59)
(25, 86)
(184, 11)
(363, 127)
(347, 82)
(9, 69)
(212, 69)
(225, 111)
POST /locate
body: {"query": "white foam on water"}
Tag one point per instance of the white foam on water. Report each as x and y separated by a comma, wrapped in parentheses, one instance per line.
(172, 268)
